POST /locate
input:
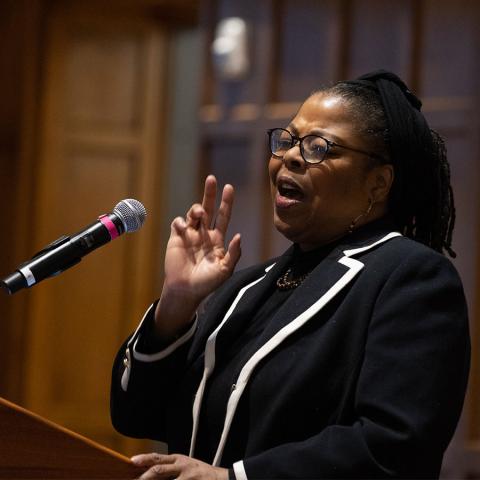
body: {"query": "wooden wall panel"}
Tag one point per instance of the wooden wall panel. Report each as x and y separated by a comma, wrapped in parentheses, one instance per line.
(450, 48)
(461, 155)
(378, 42)
(19, 63)
(10, 118)
(105, 72)
(101, 137)
(447, 84)
(302, 61)
(10, 66)
(89, 307)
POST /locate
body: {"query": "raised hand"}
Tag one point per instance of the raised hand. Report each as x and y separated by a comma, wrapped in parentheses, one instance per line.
(196, 260)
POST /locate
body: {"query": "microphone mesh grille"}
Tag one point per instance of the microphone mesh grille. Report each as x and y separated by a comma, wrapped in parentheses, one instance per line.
(132, 214)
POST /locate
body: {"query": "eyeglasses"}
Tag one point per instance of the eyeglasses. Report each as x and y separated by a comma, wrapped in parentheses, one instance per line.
(313, 148)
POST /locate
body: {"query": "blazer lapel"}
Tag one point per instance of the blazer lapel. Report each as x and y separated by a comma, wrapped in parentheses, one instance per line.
(327, 278)
(249, 290)
(248, 296)
(250, 303)
(327, 274)
(339, 269)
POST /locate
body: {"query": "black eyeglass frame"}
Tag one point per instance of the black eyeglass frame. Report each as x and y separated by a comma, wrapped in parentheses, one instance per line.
(329, 143)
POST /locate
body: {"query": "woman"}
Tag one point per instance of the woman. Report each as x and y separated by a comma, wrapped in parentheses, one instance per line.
(346, 357)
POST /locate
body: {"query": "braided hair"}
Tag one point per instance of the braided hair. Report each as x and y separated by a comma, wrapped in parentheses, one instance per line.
(388, 114)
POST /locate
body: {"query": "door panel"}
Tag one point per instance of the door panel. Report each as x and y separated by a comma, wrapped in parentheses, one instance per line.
(100, 138)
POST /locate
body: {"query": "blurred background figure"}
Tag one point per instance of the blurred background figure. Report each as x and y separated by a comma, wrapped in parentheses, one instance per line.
(141, 98)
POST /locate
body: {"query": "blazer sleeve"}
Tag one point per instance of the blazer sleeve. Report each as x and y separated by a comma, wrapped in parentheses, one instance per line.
(410, 389)
(136, 401)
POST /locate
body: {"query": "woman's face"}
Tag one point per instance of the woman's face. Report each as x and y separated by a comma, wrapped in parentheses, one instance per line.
(328, 196)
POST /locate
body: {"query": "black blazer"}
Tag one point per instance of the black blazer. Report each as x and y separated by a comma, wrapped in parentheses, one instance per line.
(361, 374)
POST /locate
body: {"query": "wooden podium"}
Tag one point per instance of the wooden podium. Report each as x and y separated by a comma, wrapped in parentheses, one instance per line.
(32, 447)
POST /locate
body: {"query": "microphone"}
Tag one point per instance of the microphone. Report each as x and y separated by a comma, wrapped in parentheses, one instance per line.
(127, 216)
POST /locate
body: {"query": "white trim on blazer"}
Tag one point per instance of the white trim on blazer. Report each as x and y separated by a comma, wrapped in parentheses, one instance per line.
(153, 357)
(210, 362)
(354, 266)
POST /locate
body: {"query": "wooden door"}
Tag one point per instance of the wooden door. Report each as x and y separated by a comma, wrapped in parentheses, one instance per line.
(100, 141)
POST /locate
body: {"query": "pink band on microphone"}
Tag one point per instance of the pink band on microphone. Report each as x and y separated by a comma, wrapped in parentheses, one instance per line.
(112, 229)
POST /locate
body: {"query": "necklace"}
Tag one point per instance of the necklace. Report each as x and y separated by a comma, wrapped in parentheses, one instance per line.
(284, 284)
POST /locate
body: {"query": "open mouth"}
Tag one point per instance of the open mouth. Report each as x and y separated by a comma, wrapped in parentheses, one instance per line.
(288, 189)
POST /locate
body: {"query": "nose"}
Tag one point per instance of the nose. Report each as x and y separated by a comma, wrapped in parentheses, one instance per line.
(293, 158)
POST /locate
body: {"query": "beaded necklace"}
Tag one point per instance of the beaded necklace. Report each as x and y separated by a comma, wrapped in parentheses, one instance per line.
(284, 284)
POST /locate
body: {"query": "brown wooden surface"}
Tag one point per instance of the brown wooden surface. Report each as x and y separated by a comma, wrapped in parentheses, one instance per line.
(33, 447)
(100, 141)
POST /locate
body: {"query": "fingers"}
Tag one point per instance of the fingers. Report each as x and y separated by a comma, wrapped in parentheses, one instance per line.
(225, 210)
(233, 253)
(195, 216)
(178, 225)
(161, 466)
(199, 218)
(150, 459)
(161, 472)
(177, 466)
(209, 197)
(206, 211)
(203, 214)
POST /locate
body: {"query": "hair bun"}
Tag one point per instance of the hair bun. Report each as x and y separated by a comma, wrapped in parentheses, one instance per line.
(385, 75)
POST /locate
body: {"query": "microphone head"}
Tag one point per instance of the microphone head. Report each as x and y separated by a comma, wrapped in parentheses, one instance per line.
(132, 214)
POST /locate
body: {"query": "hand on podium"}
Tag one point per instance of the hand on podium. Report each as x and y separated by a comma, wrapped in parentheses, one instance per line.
(177, 466)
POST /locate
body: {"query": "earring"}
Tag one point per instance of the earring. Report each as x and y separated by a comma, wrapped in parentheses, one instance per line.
(364, 214)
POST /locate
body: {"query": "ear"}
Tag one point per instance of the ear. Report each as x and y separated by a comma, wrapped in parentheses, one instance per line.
(380, 179)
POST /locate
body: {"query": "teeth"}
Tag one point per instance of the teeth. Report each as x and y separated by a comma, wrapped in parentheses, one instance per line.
(288, 190)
